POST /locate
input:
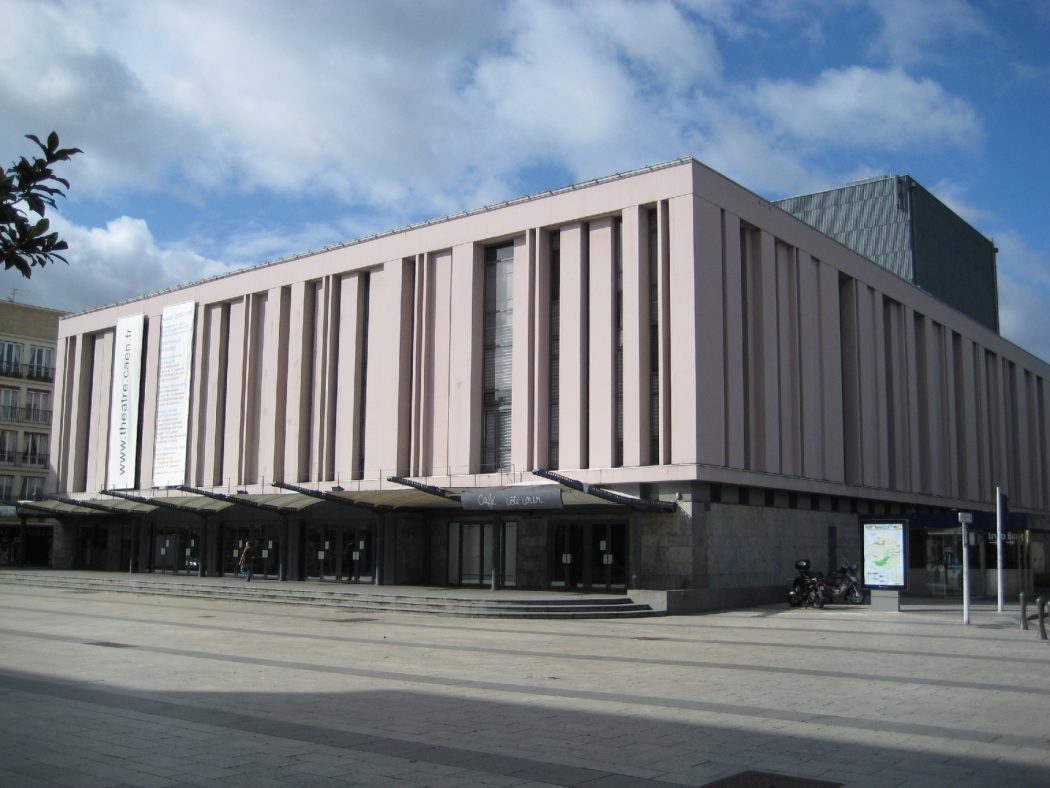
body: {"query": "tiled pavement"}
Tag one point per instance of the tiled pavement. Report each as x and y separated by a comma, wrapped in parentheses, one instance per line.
(102, 689)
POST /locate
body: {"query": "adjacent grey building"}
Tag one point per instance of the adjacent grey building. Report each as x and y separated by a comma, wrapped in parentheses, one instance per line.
(897, 223)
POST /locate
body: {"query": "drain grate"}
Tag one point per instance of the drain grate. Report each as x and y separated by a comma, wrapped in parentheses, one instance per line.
(109, 644)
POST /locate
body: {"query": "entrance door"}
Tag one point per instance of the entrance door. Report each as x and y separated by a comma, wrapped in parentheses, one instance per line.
(322, 552)
(177, 550)
(588, 556)
(359, 554)
(265, 539)
(470, 554)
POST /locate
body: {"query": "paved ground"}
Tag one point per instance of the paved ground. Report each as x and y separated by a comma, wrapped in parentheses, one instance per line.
(100, 689)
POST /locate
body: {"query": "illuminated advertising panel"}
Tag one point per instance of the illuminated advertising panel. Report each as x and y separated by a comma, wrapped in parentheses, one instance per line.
(885, 556)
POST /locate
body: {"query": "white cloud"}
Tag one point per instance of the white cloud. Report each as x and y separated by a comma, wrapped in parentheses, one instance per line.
(119, 261)
(913, 31)
(861, 108)
(1024, 293)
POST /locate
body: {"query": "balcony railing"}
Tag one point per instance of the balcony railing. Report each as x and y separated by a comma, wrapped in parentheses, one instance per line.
(25, 459)
(34, 459)
(12, 369)
(35, 415)
(29, 414)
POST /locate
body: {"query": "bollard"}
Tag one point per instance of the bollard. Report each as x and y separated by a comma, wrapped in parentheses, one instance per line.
(1041, 603)
(1024, 613)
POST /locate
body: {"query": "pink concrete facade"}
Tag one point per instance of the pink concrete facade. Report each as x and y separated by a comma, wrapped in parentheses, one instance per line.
(783, 360)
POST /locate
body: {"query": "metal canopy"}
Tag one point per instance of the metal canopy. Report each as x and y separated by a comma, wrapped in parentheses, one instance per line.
(55, 509)
(324, 495)
(630, 501)
(109, 507)
(279, 503)
(429, 489)
(199, 506)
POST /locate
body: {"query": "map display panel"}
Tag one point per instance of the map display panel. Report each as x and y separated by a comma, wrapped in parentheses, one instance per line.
(884, 556)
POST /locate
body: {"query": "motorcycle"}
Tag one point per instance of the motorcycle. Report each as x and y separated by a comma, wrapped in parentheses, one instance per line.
(813, 589)
(807, 588)
(844, 584)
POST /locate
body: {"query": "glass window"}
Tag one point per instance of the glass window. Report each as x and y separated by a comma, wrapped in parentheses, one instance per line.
(497, 358)
(8, 403)
(36, 450)
(8, 447)
(38, 407)
(32, 487)
(7, 484)
(10, 358)
(41, 364)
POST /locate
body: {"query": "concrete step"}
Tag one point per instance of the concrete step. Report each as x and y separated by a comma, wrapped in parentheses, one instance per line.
(405, 599)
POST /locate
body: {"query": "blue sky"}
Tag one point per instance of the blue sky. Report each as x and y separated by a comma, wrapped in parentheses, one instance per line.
(222, 135)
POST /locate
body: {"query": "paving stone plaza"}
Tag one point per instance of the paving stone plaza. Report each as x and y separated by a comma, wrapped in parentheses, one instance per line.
(106, 689)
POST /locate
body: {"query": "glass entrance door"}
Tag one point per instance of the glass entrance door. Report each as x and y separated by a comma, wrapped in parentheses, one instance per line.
(359, 554)
(266, 541)
(470, 554)
(177, 550)
(322, 552)
(340, 553)
(588, 556)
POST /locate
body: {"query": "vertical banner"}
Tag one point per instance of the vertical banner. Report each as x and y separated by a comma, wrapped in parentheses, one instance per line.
(124, 403)
(173, 394)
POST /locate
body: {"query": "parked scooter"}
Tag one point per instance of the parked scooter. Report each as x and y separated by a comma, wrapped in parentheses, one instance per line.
(844, 584)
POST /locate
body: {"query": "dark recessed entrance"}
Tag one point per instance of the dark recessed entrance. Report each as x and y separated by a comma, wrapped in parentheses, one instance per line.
(340, 553)
(588, 556)
(266, 541)
(177, 549)
(470, 553)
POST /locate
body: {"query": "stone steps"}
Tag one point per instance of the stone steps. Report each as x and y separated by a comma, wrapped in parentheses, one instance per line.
(390, 598)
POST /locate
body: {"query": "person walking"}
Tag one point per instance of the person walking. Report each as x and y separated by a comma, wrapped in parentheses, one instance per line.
(247, 556)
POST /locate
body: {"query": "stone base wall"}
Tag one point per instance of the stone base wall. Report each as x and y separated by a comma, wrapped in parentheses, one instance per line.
(711, 556)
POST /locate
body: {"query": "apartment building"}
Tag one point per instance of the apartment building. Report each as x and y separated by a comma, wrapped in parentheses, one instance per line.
(27, 375)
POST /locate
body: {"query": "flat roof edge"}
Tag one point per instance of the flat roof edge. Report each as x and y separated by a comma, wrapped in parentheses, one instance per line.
(396, 231)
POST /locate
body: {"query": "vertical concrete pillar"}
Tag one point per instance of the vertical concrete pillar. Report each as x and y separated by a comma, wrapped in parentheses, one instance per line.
(635, 315)
(601, 344)
(735, 362)
(541, 361)
(573, 374)
(465, 357)
(523, 350)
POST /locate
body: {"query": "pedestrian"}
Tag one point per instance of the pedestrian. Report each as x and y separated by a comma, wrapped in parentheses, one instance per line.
(247, 555)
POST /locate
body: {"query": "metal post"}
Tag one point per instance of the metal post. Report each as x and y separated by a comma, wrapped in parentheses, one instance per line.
(1024, 612)
(23, 535)
(202, 552)
(999, 545)
(965, 518)
(380, 549)
(282, 572)
(497, 551)
(634, 557)
(1041, 605)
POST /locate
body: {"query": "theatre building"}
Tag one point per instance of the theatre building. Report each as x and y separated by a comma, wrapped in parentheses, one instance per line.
(656, 383)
